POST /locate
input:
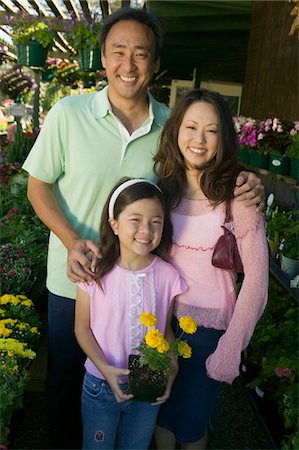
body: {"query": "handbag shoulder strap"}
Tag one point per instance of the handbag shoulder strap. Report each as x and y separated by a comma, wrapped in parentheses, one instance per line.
(228, 215)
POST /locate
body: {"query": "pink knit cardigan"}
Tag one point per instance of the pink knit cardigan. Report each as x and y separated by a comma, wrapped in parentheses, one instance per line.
(211, 297)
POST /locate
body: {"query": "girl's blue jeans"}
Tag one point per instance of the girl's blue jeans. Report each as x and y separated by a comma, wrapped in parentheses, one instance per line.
(108, 424)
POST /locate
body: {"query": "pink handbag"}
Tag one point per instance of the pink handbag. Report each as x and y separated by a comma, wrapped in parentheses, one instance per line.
(226, 254)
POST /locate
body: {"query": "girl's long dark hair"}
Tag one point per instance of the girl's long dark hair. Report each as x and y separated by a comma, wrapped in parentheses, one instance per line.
(219, 174)
(110, 249)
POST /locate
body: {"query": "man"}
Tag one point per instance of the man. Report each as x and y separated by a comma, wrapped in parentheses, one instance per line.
(86, 145)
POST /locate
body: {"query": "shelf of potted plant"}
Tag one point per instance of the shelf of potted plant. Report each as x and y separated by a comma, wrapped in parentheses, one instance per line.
(292, 151)
(273, 139)
(246, 128)
(33, 36)
(270, 368)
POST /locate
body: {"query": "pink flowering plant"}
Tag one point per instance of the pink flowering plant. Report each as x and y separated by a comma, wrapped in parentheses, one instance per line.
(16, 269)
(246, 129)
(273, 353)
(7, 170)
(273, 135)
(293, 147)
(23, 239)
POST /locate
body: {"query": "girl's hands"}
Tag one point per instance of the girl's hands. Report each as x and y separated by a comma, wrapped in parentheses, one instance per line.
(112, 375)
(170, 382)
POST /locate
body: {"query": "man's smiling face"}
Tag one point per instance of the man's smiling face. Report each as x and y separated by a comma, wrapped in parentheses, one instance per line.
(129, 59)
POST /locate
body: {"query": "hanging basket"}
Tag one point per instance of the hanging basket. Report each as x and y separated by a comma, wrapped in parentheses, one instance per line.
(145, 384)
(32, 54)
(90, 59)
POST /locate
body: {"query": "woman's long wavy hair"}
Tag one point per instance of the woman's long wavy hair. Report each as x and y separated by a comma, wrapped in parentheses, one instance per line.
(110, 248)
(218, 174)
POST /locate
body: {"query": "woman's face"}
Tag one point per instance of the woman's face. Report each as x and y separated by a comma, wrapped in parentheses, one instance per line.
(199, 134)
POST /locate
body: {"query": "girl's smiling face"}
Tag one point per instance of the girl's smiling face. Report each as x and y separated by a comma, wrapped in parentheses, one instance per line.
(139, 228)
(198, 135)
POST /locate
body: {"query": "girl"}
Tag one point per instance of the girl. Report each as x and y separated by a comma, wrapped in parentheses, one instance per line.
(130, 279)
(197, 164)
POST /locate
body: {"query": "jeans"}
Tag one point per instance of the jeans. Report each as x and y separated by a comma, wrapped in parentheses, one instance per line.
(65, 375)
(108, 424)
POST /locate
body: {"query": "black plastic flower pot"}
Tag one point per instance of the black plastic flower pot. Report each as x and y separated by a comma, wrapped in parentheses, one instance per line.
(145, 384)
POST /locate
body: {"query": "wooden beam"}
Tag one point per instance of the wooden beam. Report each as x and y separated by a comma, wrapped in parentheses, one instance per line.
(33, 5)
(72, 9)
(54, 9)
(85, 9)
(7, 6)
(104, 7)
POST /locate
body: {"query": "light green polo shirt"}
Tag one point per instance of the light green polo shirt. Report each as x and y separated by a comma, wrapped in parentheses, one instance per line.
(83, 149)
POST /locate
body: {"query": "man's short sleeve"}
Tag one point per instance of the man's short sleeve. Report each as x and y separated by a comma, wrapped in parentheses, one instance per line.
(46, 158)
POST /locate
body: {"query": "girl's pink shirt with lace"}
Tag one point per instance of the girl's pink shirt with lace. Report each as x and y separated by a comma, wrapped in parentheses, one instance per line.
(211, 298)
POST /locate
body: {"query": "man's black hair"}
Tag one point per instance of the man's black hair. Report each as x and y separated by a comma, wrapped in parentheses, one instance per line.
(138, 15)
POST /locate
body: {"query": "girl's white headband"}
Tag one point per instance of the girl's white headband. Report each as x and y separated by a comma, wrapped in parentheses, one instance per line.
(121, 188)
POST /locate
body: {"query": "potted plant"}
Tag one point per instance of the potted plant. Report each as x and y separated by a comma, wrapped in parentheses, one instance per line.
(33, 36)
(290, 251)
(246, 128)
(293, 151)
(19, 336)
(274, 138)
(15, 84)
(150, 368)
(275, 223)
(83, 36)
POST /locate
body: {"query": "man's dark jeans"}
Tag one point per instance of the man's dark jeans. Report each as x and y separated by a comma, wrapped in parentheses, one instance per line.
(65, 375)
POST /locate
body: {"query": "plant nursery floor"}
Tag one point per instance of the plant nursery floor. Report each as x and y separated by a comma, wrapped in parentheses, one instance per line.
(235, 424)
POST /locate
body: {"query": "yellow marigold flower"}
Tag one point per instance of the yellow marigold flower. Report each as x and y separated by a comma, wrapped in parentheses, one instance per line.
(184, 349)
(188, 325)
(153, 338)
(148, 320)
(163, 346)
(22, 325)
(34, 330)
(22, 297)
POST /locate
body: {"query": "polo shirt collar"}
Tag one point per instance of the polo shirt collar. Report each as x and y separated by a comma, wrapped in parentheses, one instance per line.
(102, 107)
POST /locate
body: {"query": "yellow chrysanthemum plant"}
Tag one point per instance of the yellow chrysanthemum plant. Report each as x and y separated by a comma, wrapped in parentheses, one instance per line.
(18, 334)
(156, 352)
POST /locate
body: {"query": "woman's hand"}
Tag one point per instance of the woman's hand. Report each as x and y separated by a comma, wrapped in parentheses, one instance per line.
(249, 189)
